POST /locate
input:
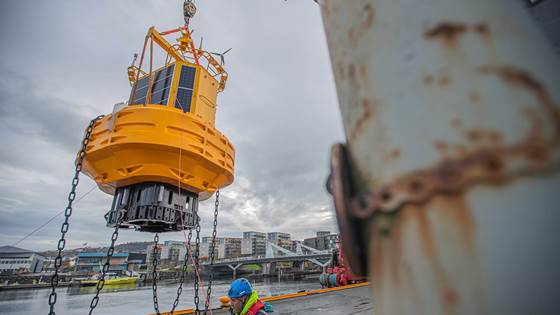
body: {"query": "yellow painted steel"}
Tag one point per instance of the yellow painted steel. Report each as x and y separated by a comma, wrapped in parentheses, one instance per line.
(161, 143)
(113, 281)
(225, 300)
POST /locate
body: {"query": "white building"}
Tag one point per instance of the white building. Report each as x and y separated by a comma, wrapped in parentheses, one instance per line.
(281, 239)
(18, 260)
(253, 243)
(226, 247)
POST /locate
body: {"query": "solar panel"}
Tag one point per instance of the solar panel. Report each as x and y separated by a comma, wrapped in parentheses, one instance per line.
(183, 100)
(160, 87)
(187, 77)
(185, 88)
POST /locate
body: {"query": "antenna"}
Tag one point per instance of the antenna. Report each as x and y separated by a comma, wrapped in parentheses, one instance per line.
(134, 57)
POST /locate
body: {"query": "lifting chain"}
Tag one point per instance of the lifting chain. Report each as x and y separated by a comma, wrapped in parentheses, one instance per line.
(185, 264)
(196, 262)
(183, 271)
(215, 225)
(154, 273)
(68, 213)
(110, 251)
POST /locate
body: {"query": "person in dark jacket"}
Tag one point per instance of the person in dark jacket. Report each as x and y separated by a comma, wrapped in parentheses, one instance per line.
(245, 300)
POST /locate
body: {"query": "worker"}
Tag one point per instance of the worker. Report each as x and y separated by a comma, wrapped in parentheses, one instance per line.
(245, 300)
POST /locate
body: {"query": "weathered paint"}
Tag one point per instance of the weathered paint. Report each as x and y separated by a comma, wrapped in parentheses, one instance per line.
(451, 112)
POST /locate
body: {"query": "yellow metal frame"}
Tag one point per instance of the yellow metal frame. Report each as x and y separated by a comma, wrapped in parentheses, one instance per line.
(161, 143)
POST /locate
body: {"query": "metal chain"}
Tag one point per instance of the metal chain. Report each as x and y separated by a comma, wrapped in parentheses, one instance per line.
(183, 272)
(209, 290)
(154, 273)
(196, 262)
(68, 213)
(110, 251)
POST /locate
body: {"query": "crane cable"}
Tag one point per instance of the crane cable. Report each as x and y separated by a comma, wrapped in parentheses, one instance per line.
(52, 218)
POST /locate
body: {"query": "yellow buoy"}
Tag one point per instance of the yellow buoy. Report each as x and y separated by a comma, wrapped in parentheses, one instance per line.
(160, 153)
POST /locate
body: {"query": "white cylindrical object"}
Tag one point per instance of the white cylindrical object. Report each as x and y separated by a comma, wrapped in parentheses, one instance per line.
(463, 98)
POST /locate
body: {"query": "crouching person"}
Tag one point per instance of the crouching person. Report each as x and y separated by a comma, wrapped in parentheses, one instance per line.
(245, 300)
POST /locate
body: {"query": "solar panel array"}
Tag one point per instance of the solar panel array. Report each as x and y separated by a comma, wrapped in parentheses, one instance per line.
(185, 88)
(160, 87)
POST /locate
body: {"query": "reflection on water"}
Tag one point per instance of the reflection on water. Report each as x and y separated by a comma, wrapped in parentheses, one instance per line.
(129, 298)
(106, 288)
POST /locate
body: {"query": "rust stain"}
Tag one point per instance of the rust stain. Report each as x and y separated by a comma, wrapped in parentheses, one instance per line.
(363, 72)
(444, 80)
(496, 138)
(392, 155)
(514, 76)
(537, 154)
(521, 78)
(483, 30)
(428, 248)
(441, 146)
(369, 14)
(474, 135)
(352, 72)
(461, 150)
(367, 113)
(537, 125)
(340, 70)
(447, 31)
(365, 21)
(428, 79)
(352, 35)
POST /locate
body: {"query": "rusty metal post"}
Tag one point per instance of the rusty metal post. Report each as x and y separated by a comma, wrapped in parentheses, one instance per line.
(451, 113)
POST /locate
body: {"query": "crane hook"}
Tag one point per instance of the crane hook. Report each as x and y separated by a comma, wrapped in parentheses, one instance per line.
(189, 10)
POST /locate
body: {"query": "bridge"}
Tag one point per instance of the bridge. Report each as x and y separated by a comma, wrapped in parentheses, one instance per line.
(274, 254)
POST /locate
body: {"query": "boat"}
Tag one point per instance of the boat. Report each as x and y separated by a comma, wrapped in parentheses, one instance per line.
(109, 280)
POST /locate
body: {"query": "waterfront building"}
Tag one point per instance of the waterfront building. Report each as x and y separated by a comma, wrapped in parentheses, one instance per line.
(253, 244)
(93, 262)
(280, 239)
(136, 262)
(226, 247)
(323, 241)
(19, 260)
(172, 253)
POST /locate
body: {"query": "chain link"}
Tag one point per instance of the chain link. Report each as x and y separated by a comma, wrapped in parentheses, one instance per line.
(67, 213)
(183, 272)
(214, 232)
(181, 279)
(196, 262)
(110, 251)
(154, 273)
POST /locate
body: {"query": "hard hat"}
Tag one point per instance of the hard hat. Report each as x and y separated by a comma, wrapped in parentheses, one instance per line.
(239, 288)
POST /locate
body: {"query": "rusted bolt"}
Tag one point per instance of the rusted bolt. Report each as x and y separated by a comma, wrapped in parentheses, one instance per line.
(536, 154)
(386, 196)
(448, 173)
(361, 206)
(416, 186)
(493, 164)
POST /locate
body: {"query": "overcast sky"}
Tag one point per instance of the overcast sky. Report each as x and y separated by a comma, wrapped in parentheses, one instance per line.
(64, 62)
